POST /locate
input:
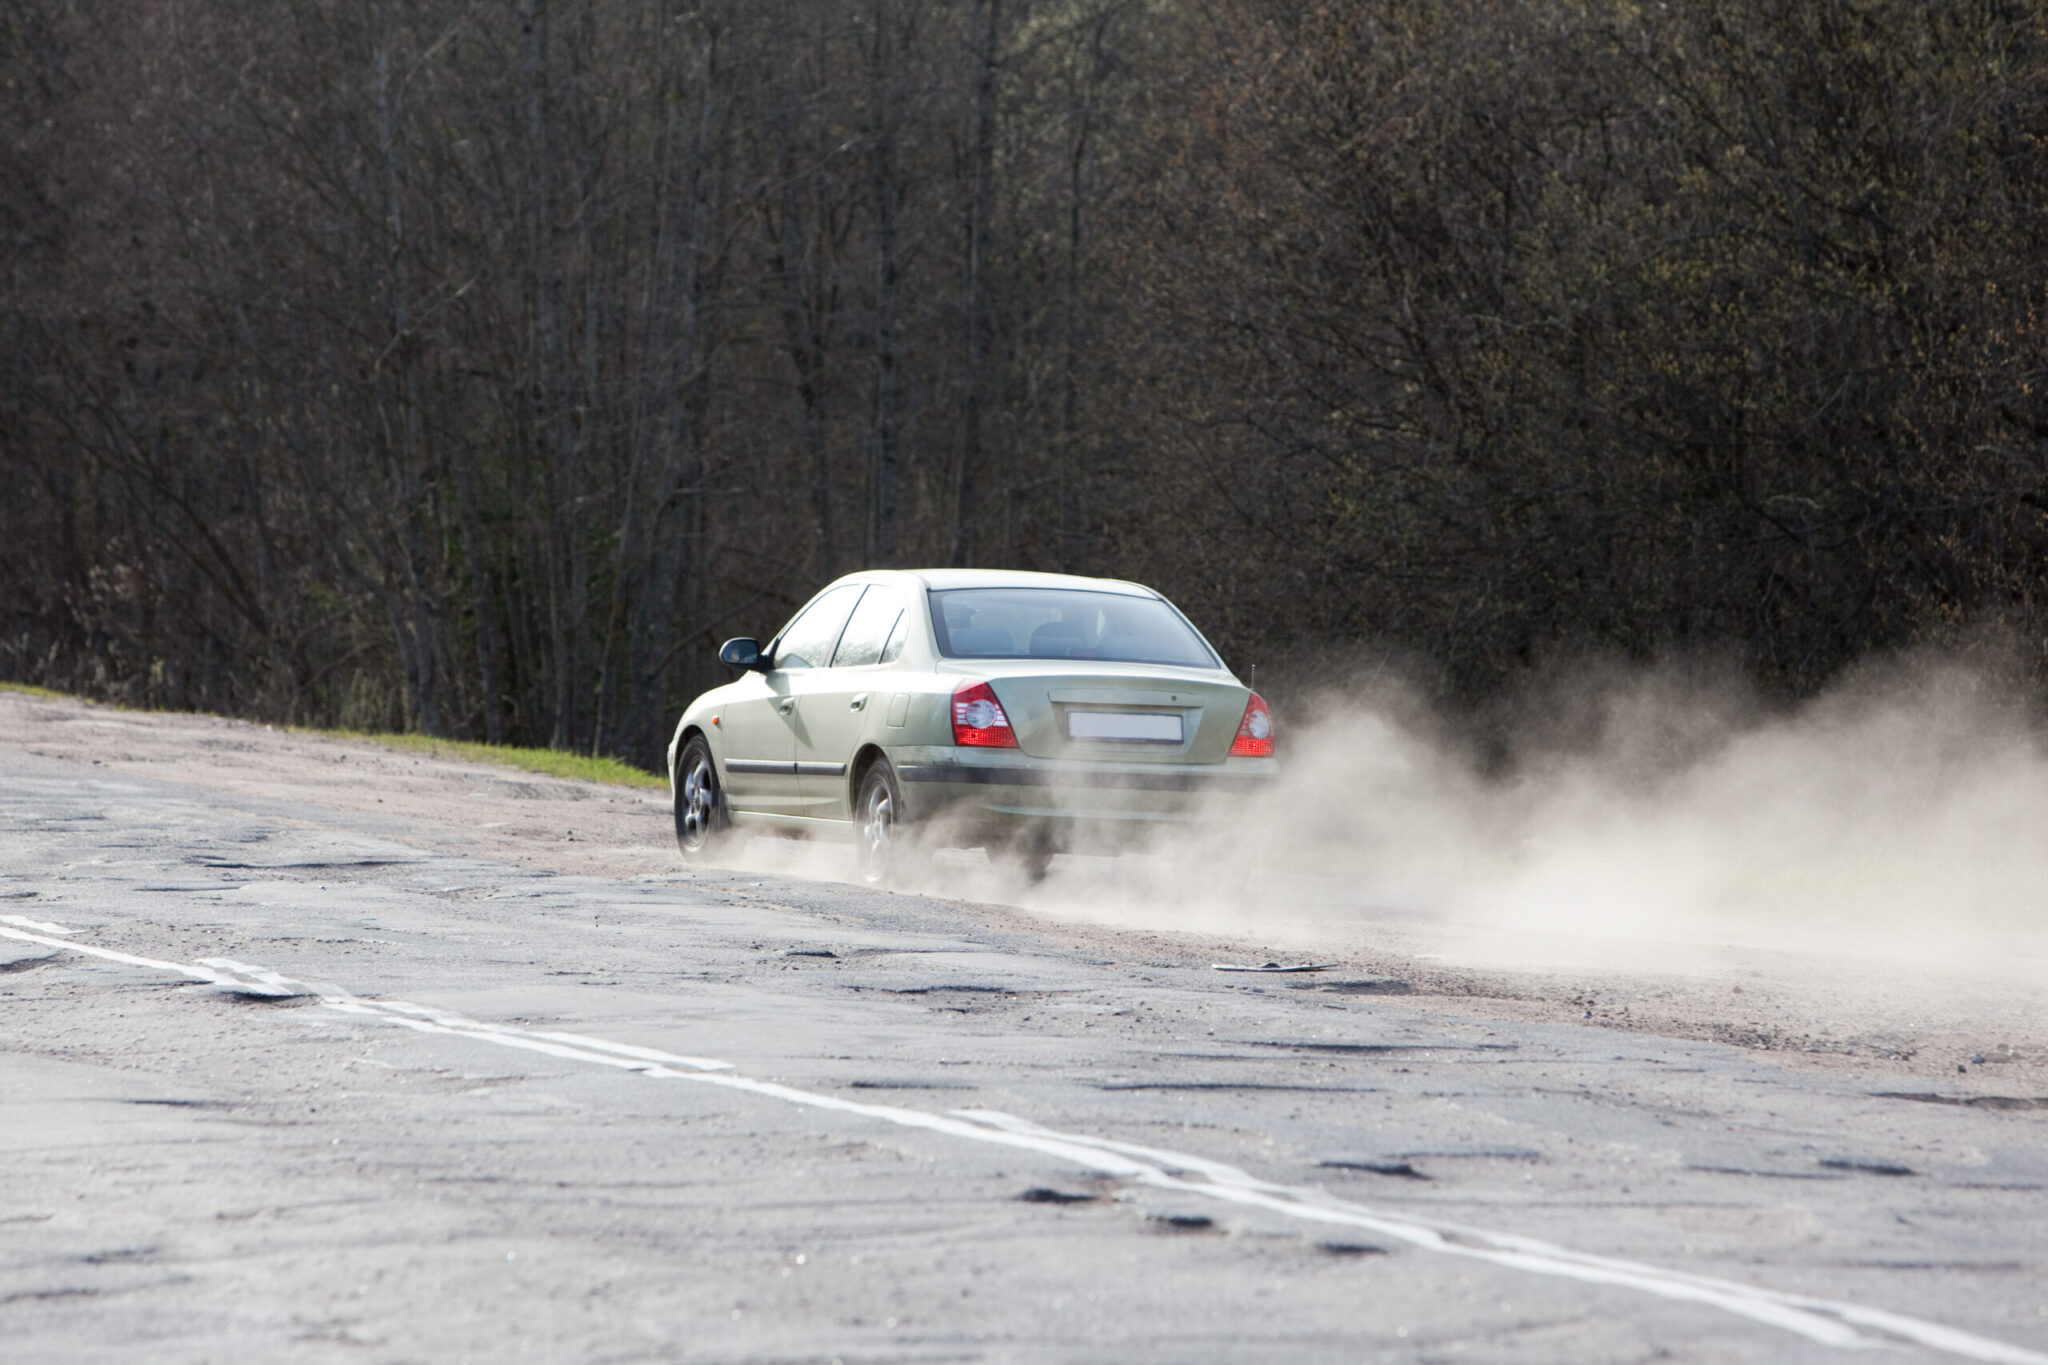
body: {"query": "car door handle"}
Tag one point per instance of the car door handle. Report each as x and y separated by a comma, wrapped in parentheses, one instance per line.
(858, 702)
(786, 705)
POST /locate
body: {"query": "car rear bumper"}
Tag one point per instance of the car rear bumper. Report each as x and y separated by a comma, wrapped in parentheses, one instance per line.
(1004, 787)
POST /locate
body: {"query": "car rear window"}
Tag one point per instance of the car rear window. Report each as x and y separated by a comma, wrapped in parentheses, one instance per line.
(1064, 623)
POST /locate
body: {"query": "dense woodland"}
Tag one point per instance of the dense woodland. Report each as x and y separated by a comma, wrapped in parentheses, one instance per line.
(475, 367)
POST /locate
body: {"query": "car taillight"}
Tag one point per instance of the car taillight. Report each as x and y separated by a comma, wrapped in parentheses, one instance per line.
(1255, 731)
(978, 718)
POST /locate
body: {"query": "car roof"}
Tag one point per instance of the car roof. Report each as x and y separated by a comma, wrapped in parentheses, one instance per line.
(940, 580)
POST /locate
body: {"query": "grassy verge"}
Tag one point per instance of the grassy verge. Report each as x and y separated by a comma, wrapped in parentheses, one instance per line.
(552, 762)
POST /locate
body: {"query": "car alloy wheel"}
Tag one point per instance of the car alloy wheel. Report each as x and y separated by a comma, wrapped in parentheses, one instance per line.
(878, 824)
(700, 808)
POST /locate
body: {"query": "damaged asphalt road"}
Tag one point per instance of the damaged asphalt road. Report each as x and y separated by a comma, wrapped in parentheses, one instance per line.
(291, 1079)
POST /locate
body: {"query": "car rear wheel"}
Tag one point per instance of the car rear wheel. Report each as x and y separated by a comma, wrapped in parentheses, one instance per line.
(701, 821)
(1036, 855)
(879, 831)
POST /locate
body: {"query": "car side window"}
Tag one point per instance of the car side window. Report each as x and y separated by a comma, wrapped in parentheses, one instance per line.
(892, 649)
(868, 633)
(807, 641)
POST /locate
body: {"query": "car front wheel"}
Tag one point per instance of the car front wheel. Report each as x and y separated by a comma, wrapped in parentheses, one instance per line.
(700, 802)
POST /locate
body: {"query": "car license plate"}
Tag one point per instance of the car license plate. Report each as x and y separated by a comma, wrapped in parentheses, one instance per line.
(1144, 727)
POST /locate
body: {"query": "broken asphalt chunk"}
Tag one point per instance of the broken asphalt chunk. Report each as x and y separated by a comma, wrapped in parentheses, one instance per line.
(1843, 1163)
(1185, 1222)
(1400, 1168)
(1969, 1101)
(1351, 1249)
(1369, 1049)
(1367, 985)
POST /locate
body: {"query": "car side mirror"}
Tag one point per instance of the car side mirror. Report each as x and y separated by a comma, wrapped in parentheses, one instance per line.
(742, 652)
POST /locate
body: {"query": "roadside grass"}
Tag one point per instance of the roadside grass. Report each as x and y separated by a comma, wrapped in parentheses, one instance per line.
(550, 762)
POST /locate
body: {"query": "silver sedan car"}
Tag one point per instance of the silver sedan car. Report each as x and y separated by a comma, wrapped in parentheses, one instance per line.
(1027, 713)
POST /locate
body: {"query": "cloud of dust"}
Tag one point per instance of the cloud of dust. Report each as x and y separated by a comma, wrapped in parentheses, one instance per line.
(1644, 818)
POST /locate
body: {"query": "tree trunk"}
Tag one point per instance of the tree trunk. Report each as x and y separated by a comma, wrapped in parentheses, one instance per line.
(887, 403)
(985, 17)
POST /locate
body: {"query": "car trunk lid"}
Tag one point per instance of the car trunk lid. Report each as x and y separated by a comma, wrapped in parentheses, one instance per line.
(1131, 714)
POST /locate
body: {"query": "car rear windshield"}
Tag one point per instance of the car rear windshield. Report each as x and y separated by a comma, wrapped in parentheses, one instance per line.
(1064, 623)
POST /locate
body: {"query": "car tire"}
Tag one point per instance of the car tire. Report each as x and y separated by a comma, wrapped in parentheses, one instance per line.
(701, 817)
(1035, 855)
(880, 832)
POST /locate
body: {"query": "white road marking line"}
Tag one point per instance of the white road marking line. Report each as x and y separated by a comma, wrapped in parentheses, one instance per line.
(25, 922)
(573, 1045)
(1238, 1186)
(1820, 1320)
(126, 959)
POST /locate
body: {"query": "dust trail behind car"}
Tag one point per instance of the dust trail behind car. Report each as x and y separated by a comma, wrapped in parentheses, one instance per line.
(1900, 816)
(1892, 834)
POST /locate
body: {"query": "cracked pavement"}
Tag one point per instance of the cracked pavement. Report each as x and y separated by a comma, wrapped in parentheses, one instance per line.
(197, 1170)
